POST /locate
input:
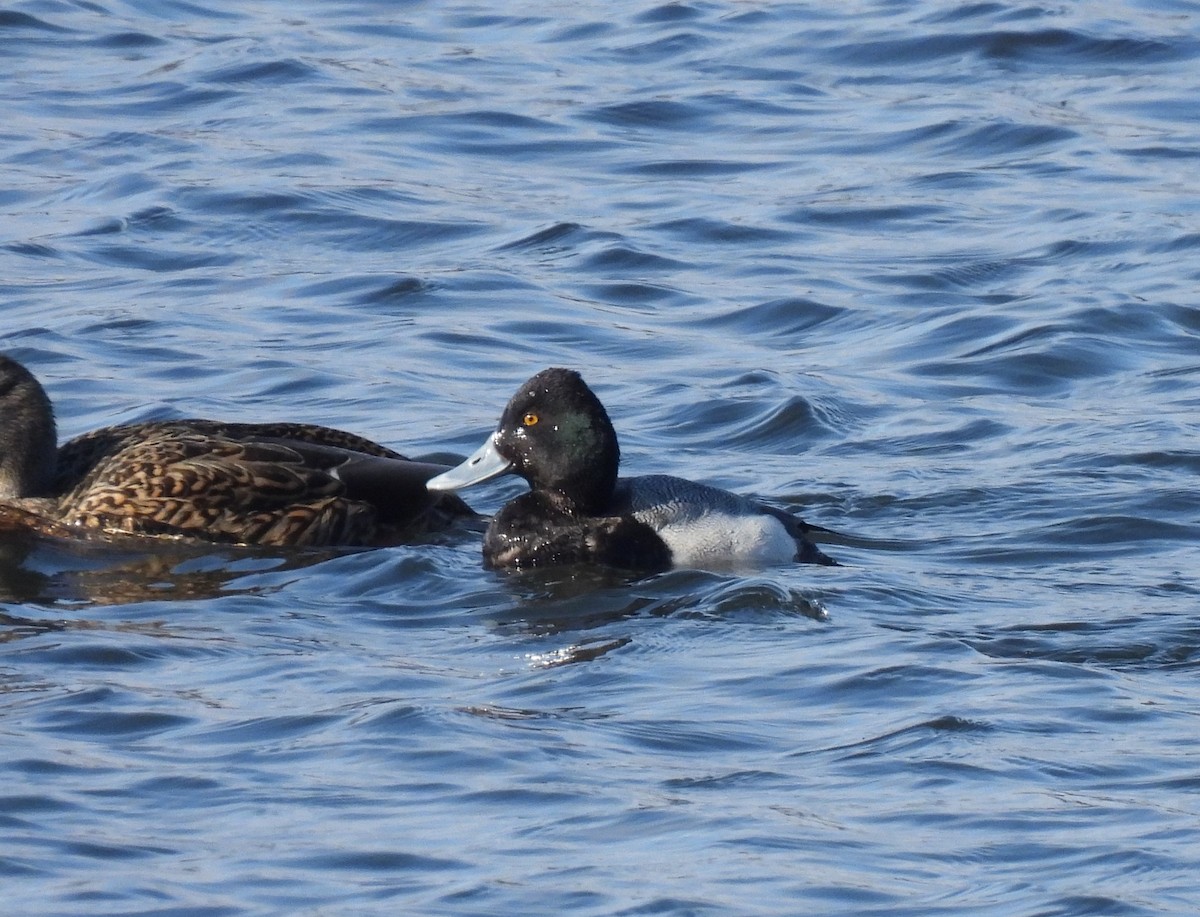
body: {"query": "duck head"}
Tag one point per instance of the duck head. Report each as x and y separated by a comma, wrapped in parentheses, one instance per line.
(28, 440)
(554, 433)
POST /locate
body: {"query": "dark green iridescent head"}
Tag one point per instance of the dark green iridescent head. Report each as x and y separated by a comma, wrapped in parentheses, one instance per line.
(557, 436)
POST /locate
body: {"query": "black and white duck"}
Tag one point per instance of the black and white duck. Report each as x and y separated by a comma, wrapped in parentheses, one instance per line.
(557, 435)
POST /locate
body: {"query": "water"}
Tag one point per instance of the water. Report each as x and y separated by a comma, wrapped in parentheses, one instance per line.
(924, 271)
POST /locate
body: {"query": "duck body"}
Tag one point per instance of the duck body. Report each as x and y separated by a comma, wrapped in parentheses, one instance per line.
(278, 484)
(556, 434)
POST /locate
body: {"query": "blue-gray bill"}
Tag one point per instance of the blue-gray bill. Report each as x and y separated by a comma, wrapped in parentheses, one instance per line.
(484, 464)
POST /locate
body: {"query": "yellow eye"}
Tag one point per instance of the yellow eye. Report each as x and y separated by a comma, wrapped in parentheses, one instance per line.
(530, 419)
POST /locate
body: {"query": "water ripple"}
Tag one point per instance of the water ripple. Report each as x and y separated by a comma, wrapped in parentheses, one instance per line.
(919, 273)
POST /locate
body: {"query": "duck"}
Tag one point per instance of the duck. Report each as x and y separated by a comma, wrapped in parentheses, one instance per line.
(271, 484)
(556, 434)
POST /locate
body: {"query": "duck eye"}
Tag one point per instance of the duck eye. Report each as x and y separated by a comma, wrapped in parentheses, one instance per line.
(530, 419)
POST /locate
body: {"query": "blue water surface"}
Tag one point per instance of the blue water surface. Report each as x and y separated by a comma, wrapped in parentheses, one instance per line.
(925, 272)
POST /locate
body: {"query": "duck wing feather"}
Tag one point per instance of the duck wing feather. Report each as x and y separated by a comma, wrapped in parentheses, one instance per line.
(267, 484)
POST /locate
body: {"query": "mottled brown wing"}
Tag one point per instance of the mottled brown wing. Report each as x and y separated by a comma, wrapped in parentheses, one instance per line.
(79, 456)
(198, 485)
(297, 432)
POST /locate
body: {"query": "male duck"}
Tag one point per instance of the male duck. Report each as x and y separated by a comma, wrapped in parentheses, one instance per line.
(556, 434)
(234, 483)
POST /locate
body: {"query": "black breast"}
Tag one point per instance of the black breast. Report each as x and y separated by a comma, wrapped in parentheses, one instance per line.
(531, 531)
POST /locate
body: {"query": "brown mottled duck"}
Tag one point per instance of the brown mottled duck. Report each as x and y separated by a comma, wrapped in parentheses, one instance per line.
(289, 484)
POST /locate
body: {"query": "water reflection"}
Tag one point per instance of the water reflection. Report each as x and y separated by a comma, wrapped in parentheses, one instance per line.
(585, 597)
(41, 570)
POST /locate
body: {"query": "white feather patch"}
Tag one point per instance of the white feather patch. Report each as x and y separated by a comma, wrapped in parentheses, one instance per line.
(707, 527)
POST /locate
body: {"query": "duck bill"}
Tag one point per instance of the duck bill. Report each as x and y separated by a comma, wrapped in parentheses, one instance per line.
(483, 465)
